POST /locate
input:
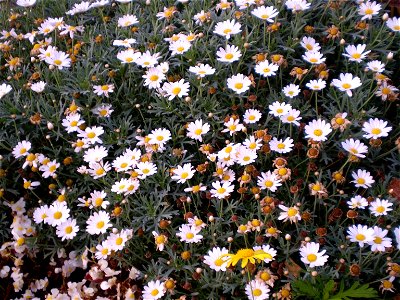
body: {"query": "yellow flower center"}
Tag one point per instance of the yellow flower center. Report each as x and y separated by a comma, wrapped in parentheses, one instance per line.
(218, 262)
(279, 110)
(378, 240)
(387, 284)
(52, 168)
(311, 257)
(356, 55)
(73, 123)
(268, 183)
(281, 146)
(290, 118)
(198, 131)
(282, 171)
(360, 180)
(27, 184)
(317, 132)
(123, 165)
(369, 11)
(154, 292)
(285, 293)
(292, 212)
(360, 237)
(265, 276)
(396, 27)
(257, 292)
(238, 85)
(176, 90)
(104, 251)
(189, 235)
(227, 31)
(68, 229)
(20, 241)
(22, 151)
(221, 190)
(153, 77)
(340, 121)
(91, 135)
(129, 59)
(57, 62)
(160, 239)
(316, 187)
(376, 131)
(98, 202)
(380, 209)
(100, 224)
(118, 241)
(313, 60)
(31, 157)
(386, 91)
(309, 47)
(229, 56)
(57, 215)
(184, 175)
(195, 188)
(99, 172)
(346, 85)
(80, 143)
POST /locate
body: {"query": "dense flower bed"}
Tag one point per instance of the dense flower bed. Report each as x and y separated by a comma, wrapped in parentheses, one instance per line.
(199, 150)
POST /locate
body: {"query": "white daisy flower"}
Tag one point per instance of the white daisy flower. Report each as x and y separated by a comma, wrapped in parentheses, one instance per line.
(380, 207)
(239, 83)
(310, 44)
(266, 13)
(368, 9)
(213, 259)
(291, 90)
(269, 181)
(380, 241)
(356, 52)
(346, 83)
(361, 234)
(281, 146)
(355, 147)
(266, 69)
(311, 256)
(67, 230)
(189, 234)
(227, 28)
(376, 128)
(196, 129)
(317, 130)
(98, 223)
(182, 174)
(257, 290)
(228, 54)
(357, 202)
(291, 214)
(202, 70)
(176, 89)
(362, 178)
(221, 189)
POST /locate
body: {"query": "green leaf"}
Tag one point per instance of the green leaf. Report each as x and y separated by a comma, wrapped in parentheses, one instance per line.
(330, 285)
(305, 288)
(355, 291)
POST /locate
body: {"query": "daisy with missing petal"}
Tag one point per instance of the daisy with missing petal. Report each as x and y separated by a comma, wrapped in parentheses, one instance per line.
(355, 147)
(22, 149)
(145, 169)
(257, 290)
(176, 89)
(356, 53)
(182, 174)
(375, 128)
(153, 78)
(380, 207)
(202, 70)
(317, 130)
(361, 234)
(380, 241)
(159, 136)
(252, 116)
(252, 143)
(213, 259)
(91, 134)
(72, 122)
(291, 90)
(67, 230)
(269, 181)
(98, 223)
(278, 109)
(57, 214)
(227, 28)
(310, 255)
(368, 9)
(128, 56)
(221, 189)
(266, 69)
(269, 250)
(245, 156)
(179, 47)
(196, 129)
(154, 290)
(105, 89)
(233, 126)
(228, 54)
(362, 178)
(376, 66)
(189, 234)
(314, 57)
(97, 199)
(291, 214)
(346, 83)
(127, 43)
(292, 117)
(393, 24)
(127, 20)
(160, 240)
(239, 83)
(281, 146)
(265, 13)
(98, 169)
(316, 85)
(357, 202)
(310, 44)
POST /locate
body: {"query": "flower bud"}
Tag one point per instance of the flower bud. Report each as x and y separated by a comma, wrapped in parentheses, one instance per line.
(385, 17)
(389, 56)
